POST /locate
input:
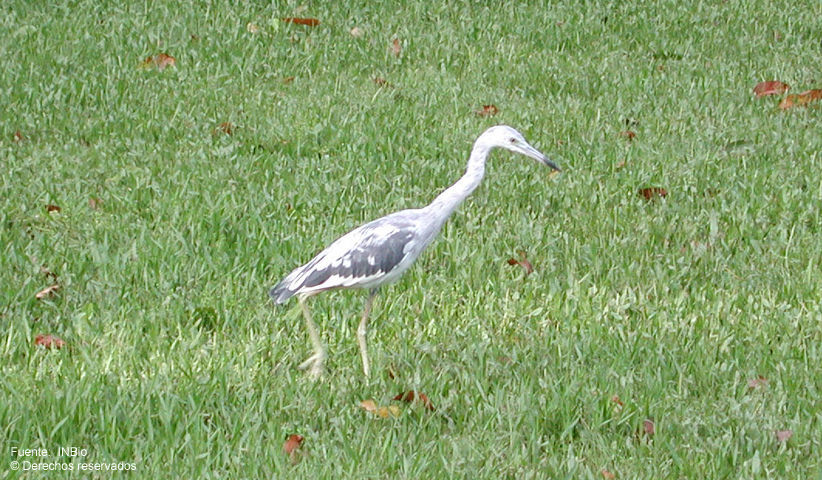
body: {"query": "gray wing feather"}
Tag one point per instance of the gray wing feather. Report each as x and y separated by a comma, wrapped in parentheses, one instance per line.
(362, 255)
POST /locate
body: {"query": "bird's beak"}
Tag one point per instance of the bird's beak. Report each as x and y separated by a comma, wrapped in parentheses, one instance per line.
(540, 157)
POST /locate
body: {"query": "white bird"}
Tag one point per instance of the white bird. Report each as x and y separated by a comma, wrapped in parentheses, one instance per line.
(380, 251)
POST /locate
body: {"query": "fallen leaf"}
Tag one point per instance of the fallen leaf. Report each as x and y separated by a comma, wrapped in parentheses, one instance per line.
(383, 412)
(52, 208)
(47, 292)
(368, 406)
(18, 137)
(772, 87)
(789, 101)
(292, 445)
(628, 134)
(389, 411)
(411, 395)
(311, 22)
(49, 341)
(800, 99)
(487, 111)
(648, 427)
(396, 48)
(356, 32)
(758, 382)
(48, 273)
(287, 80)
(252, 27)
(95, 203)
(225, 127)
(650, 193)
(618, 405)
(383, 82)
(164, 60)
(607, 475)
(523, 262)
(161, 61)
(783, 435)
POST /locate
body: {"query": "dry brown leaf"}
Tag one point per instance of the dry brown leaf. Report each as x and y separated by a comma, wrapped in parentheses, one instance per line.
(161, 61)
(487, 111)
(411, 395)
(648, 427)
(226, 128)
(383, 412)
(789, 102)
(47, 292)
(389, 411)
(772, 87)
(18, 137)
(783, 435)
(48, 273)
(52, 208)
(356, 32)
(758, 382)
(618, 405)
(369, 406)
(292, 445)
(49, 341)
(800, 99)
(651, 193)
(630, 135)
(396, 47)
(310, 22)
(522, 262)
(95, 203)
(164, 60)
(607, 475)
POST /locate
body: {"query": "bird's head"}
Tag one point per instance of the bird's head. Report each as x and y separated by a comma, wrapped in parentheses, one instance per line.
(503, 136)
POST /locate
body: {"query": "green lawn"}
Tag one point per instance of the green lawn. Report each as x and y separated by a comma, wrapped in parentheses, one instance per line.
(700, 312)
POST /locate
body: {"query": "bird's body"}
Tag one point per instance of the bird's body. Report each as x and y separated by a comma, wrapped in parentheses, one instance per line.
(380, 251)
(369, 256)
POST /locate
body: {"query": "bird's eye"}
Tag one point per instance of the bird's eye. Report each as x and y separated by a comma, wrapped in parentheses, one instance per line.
(512, 140)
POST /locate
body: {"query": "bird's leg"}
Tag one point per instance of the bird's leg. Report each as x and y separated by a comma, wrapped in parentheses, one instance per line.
(362, 329)
(314, 363)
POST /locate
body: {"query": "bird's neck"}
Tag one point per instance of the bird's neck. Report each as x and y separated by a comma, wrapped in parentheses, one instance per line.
(451, 198)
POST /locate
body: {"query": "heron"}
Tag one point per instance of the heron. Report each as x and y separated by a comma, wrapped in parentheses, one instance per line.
(379, 252)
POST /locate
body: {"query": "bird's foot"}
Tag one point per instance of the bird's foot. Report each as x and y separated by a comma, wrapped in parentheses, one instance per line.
(315, 365)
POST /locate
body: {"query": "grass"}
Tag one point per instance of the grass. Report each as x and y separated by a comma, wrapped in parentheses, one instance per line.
(177, 362)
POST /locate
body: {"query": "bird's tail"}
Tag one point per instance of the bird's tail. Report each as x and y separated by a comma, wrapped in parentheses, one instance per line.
(281, 293)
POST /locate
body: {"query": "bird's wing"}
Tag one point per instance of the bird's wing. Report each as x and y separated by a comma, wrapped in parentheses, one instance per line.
(358, 258)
